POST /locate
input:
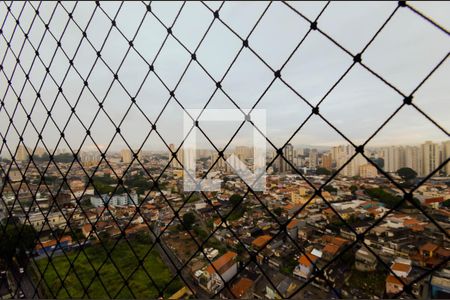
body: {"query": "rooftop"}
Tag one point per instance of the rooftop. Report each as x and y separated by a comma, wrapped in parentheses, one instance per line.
(221, 263)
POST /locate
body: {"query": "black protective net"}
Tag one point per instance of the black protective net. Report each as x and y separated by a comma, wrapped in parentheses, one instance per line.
(73, 75)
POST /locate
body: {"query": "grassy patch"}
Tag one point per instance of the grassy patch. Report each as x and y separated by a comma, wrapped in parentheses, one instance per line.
(109, 283)
(372, 283)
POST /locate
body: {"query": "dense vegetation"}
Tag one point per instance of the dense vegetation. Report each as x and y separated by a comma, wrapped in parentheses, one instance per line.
(58, 158)
(389, 199)
(16, 240)
(107, 184)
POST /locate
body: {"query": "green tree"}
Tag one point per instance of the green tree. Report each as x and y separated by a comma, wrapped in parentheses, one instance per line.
(446, 203)
(383, 196)
(378, 161)
(323, 171)
(189, 220)
(330, 189)
(235, 199)
(353, 188)
(407, 174)
(16, 240)
(278, 211)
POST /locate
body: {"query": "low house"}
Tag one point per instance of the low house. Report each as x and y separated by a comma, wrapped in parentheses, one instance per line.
(401, 268)
(434, 202)
(285, 287)
(292, 228)
(427, 250)
(306, 264)
(50, 246)
(430, 255)
(243, 288)
(365, 261)
(330, 251)
(261, 241)
(393, 285)
(222, 269)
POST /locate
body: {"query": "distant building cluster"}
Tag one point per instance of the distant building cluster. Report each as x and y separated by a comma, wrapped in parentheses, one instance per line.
(115, 200)
(423, 158)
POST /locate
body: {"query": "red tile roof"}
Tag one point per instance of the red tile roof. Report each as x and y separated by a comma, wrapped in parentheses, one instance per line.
(434, 200)
(429, 247)
(331, 249)
(261, 241)
(303, 260)
(222, 263)
(292, 224)
(401, 267)
(50, 243)
(241, 287)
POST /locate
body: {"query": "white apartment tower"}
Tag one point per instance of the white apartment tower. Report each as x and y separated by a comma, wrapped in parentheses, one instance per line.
(445, 154)
(313, 158)
(430, 157)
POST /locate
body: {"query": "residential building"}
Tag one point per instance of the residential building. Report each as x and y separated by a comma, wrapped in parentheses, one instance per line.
(126, 155)
(367, 171)
(22, 153)
(391, 156)
(306, 264)
(243, 289)
(175, 163)
(313, 159)
(115, 200)
(327, 161)
(225, 267)
(288, 153)
(365, 261)
(445, 154)
(393, 285)
(430, 157)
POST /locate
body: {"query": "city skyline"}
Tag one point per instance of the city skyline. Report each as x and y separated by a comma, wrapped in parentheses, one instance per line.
(360, 97)
(423, 158)
(163, 148)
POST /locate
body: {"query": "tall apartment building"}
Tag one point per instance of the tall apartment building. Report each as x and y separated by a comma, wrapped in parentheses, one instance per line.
(313, 158)
(341, 154)
(445, 154)
(288, 153)
(353, 167)
(243, 152)
(40, 151)
(430, 157)
(327, 161)
(90, 157)
(175, 163)
(189, 156)
(392, 158)
(367, 171)
(423, 159)
(412, 158)
(126, 155)
(22, 154)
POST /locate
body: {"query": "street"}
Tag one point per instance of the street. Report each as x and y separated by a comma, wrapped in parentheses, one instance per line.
(199, 292)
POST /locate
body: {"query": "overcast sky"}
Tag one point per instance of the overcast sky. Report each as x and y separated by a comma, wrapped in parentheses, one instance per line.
(404, 53)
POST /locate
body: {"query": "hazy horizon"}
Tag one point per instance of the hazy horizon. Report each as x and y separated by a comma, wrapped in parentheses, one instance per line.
(404, 53)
